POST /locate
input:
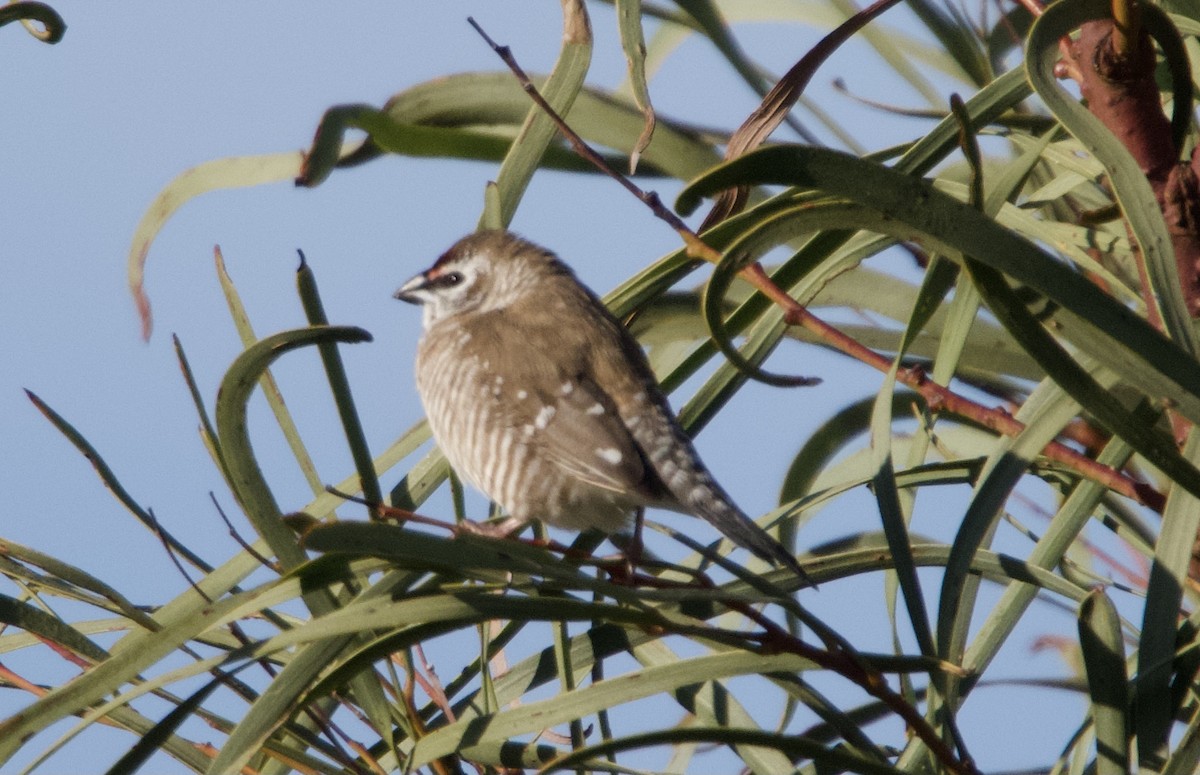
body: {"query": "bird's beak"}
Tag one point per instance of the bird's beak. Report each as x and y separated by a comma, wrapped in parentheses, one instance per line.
(411, 290)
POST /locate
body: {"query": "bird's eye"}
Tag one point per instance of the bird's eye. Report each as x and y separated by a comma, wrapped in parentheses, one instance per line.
(450, 279)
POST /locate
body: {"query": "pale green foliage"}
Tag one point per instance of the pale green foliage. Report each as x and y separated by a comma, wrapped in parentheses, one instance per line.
(1004, 233)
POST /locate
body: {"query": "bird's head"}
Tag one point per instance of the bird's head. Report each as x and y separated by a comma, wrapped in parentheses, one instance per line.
(488, 270)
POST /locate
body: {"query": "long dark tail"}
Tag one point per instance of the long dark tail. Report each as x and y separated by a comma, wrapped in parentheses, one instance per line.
(718, 510)
(673, 461)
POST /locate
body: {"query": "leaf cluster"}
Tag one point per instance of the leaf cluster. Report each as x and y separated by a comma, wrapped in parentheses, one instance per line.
(385, 646)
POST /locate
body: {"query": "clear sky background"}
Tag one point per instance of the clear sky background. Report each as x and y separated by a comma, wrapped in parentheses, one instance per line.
(136, 93)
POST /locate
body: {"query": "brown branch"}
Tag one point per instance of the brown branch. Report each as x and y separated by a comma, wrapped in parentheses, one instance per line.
(1114, 63)
(941, 397)
(695, 246)
(1114, 60)
(9, 678)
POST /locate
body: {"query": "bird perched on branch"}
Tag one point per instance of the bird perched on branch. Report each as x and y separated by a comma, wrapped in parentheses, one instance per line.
(543, 401)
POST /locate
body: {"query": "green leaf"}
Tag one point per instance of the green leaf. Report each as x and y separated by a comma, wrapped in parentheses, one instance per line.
(534, 716)
(1086, 315)
(335, 372)
(35, 621)
(234, 172)
(559, 91)
(1156, 704)
(150, 742)
(1103, 647)
(1045, 413)
(629, 22)
(1186, 756)
(53, 26)
(1057, 538)
(1097, 398)
(791, 746)
(135, 653)
(246, 478)
(492, 105)
(270, 388)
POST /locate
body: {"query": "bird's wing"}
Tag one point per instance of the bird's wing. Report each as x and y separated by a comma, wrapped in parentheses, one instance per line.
(575, 423)
(585, 436)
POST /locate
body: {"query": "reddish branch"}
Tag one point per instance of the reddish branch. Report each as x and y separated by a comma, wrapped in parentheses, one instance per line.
(941, 397)
(1114, 63)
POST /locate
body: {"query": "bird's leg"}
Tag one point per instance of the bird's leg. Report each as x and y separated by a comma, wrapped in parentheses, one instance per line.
(502, 529)
(392, 512)
(633, 552)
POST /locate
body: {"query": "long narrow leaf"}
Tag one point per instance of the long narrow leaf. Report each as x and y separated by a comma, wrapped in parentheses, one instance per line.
(1088, 317)
(1103, 647)
(242, 377)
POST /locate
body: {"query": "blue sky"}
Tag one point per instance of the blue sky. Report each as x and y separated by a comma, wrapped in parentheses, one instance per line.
(95, 126)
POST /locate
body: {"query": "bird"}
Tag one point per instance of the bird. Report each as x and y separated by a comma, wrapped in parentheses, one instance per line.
(544, 402)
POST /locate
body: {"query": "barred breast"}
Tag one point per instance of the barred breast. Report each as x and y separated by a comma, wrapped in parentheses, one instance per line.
(492, 433)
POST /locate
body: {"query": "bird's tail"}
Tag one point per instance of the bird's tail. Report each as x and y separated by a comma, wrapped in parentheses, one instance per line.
(716, 508)
(687, 486)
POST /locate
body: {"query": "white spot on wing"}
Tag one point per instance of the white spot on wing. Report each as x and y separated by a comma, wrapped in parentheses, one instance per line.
(543, 417)
(611, 455)
(522, 395)
(595, 409)
(567, 388)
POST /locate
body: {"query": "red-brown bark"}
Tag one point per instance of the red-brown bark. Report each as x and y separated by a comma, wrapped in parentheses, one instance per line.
(1120, 90)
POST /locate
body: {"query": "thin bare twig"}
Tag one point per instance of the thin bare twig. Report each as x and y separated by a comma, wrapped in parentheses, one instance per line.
(166, 540)
(695, 246)
(250, 550)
